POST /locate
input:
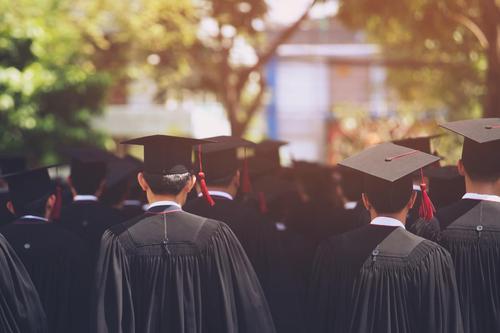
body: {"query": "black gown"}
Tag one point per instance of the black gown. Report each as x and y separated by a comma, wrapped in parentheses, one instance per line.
(470, 231)
(89, 219)
(58, 264)
(199, 281)
(20, 308)
(265, 248)
(383, 279)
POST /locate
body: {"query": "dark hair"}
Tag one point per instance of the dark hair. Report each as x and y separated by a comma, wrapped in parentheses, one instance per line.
(481, 160)
(224, 181)
(388, 197)
(36, 208)
(86, 183)
(167, 184)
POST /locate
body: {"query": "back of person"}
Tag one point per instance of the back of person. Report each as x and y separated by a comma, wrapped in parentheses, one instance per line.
(58, 263)
(404, 284)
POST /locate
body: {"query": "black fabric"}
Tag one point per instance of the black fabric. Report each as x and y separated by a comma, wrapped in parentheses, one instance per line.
(268, 255)
(5, 215)
(201, 281)
(472, 236)
(58, 264)
(131, 211)
(89, 220)
(20, 308)
(405, 284)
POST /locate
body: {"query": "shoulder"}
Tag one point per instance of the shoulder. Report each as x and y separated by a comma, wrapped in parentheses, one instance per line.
(451, 213)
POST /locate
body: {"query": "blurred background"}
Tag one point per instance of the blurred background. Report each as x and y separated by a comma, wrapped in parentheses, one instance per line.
(331, 77)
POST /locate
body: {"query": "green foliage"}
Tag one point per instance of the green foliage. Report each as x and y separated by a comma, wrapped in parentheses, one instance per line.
(442, 62)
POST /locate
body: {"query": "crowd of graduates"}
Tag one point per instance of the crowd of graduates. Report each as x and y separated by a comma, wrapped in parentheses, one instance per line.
(215, 235)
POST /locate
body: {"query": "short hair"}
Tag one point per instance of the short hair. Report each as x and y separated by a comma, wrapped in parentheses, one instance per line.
(388, 197)
(224, 181)
(481, 160)
(36, 208)
(167, 184)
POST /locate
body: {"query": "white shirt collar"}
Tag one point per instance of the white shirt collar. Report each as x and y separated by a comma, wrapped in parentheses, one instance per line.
(416, 187)
(132, 203)
(163, 203)
(485, 197)
(387, 221)
(350, 205)
(86, 197)
(218, 194)
(34, 217)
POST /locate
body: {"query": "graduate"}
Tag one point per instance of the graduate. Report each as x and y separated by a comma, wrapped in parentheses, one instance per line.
(224, 176)
(56, 259)
(169, 270)
(470, 228)
(86, 215)
(381, 278)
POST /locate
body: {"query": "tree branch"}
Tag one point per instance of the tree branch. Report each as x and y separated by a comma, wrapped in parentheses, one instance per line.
(252, 109)
(271, 50)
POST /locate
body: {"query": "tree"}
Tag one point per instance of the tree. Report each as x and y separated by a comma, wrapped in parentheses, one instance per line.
(235, 78)
(458, 39)
(58, 59)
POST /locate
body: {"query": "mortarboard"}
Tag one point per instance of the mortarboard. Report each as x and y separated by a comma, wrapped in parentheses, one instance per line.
(422, 143)
(220, 158)
(390, 163)
(166, 155)
(480, 152)
(12, 163)
(267, 156)
(29, 186)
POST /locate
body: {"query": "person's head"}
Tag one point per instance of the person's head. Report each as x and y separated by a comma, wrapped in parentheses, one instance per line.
(87, 178)
(480, 162)
(175, 186)
(351, 185)
(384, 198)
(31, 193)
(168, 169)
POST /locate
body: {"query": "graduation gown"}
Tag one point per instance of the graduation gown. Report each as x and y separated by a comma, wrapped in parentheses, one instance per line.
(266, 251)
(200, 280)
(58, 264)
(383, 279)
(20, 308)
(89, 219)
(470, 231)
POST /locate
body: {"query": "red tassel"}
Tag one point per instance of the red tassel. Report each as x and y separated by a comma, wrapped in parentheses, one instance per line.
(262, 203)
(247, 185)
(203, 182)
(56, 211)
(427, 209)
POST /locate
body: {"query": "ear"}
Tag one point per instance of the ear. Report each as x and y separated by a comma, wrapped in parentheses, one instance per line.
(142, 182)
(366, 202)
(237, 178)
(10, 207)
(461, 168)
(190, 184)
(51, 201)
(412, 200)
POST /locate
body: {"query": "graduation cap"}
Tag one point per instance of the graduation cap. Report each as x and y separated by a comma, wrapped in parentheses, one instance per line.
(12, 163)
(220, 159)
(422, 143)
(389, 163)
(446, 185)
(166, 155)
(28, 187)
(480, 152)
(267, 156)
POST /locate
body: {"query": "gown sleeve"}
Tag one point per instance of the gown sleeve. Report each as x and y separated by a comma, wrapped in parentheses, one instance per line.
(20, 308)
(233, 284)
(113, 306)
(438, 295)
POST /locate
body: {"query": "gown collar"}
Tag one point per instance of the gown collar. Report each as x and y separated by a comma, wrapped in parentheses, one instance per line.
(32, 218)
(387, 221)
(485, 197)
(86, 197)
(164, 203)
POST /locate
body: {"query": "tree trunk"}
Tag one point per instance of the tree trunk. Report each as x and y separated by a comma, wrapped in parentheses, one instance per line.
(492, 98)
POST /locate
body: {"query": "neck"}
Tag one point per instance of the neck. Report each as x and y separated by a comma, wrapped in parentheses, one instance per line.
(231, 190)
(180, 198)
(400, 216)
(490, 188)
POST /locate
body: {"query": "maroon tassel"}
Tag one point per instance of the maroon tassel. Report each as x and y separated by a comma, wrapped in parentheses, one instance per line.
(246, 187)
(56, 211)
(203, 182)
(427, 209)
(262, 203)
